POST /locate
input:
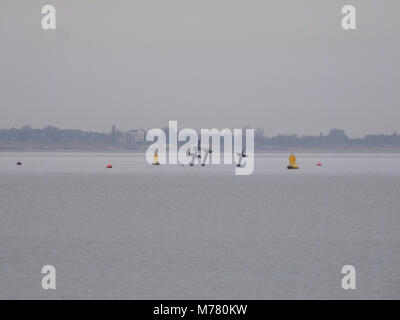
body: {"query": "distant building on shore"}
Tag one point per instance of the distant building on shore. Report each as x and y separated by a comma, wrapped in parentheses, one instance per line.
(68, 138)
(133, 137)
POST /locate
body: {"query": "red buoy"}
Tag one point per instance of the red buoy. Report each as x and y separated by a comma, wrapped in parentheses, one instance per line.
(109, 166)
(319, 164)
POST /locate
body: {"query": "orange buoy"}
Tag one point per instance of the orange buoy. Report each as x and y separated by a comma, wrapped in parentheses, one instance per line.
(109, 166)
(319, 164)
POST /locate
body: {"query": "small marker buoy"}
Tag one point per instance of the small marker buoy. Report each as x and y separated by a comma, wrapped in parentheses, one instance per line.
(292, 161)
(319, 164)
(109, 166)
(156, 161)
(19, 163)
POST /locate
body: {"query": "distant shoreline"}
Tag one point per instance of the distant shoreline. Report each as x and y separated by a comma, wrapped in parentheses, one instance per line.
(142, 149)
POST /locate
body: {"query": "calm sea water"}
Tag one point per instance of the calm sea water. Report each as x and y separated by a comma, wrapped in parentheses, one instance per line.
(170, 232)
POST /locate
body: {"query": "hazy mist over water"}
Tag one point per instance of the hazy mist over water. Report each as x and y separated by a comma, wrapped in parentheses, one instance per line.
(169, 232)
(285, 66)
(137, 231)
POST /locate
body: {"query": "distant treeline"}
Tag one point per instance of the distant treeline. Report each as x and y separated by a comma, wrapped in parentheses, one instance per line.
(335, 138)
(54, 136)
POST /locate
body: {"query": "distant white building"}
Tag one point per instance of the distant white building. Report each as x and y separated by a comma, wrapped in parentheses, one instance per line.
(133, 136)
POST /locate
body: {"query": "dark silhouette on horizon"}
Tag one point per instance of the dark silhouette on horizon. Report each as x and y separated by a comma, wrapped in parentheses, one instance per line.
(52, 137)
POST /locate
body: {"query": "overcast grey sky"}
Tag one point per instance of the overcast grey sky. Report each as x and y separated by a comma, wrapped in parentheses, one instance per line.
(285, 66)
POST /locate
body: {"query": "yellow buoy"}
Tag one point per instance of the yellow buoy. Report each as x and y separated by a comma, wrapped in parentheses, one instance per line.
(292, 162)
(156, 161)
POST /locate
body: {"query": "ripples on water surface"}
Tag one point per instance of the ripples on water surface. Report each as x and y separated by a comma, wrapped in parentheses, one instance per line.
(170, 232)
